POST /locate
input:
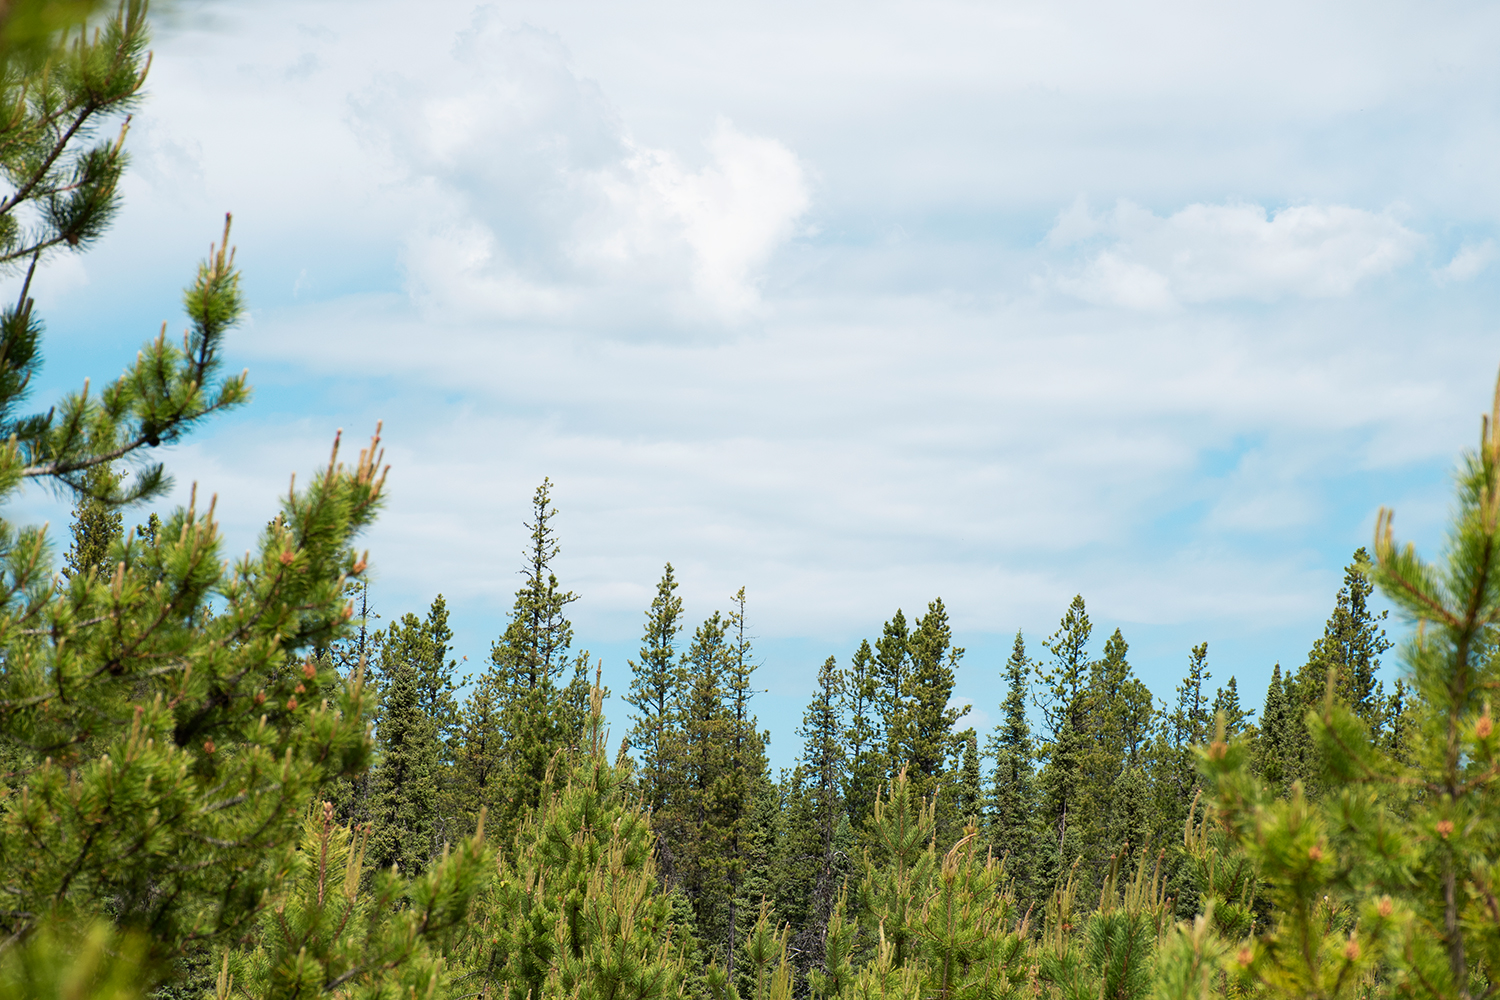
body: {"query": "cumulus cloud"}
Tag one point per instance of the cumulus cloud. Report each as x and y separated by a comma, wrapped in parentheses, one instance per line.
(544, 206)
(1133, 258)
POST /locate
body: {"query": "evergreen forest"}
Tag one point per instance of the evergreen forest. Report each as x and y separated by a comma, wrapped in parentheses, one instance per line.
(221, 779)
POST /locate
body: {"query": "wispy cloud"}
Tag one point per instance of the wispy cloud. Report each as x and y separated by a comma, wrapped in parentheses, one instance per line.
(1133, 258)
(1469, 261)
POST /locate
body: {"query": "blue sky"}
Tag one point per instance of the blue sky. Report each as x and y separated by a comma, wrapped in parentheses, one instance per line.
(854, 305)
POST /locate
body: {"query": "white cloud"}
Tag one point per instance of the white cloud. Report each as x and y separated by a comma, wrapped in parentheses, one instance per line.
(1470, 259)
(1207, 253)
(543, 207)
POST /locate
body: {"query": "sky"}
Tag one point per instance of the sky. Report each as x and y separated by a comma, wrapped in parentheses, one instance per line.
(856, 305)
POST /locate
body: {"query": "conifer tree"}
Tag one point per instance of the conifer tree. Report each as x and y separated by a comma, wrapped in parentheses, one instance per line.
(656, 680)
(970, 791)
(824, 762)
(1274, 734)
(1013, 795)
(325, 933)
(1351, 646)
(479, 765)
(1187, 726)
(534, 648)
(892, 688)
(1064, 705)
(166, 720)
(696, 820)
(575, 908)
(1227, 700)
(96, 526)
(867, 764)
(747, 784)
(928, 719)
(423, 644)
(1349, 650)
(1114, 796)
(537, 716)
(404, 797)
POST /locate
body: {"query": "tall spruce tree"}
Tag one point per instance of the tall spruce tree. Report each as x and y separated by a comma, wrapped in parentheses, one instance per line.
(1351, 646)
(928, 719)
(1227, 700)
(404, 799)
(655, 684)
(824, 763)
(969, 791)
(696, 820)
(537, 716)
(533, 651)
(746, 787)
(1114, 792)
(1181, 733)
(892, 691)
(867, 763)
(1274, 734)
(1013, 785)
(96, 525)
(1064, 705)
(422, 645)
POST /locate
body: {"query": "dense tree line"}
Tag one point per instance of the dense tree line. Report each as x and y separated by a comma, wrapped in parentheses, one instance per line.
(225, 779)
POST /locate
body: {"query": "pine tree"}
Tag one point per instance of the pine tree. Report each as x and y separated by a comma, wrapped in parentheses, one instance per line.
(536, 717)
(970, 792)
(928, 719)
(324, 930)
(127, 718)
(1274, 735)
(867, 763)
(404, 797)
(1013, 796)
(1227, 700)
(576, 908)
(533, 650)
(1114, 792)
(96, 526)
(892, 691)
(656, 680)
(1351, 646)
(167, 723)
(746, 785)
(824, 762)
(696, 820)
(422, 645)
(1064, 705)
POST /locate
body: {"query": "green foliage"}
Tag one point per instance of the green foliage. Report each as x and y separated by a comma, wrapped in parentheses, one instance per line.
(867, 763)
(404, 799)
(65, 961)
(578, 910)
(1113, 953)
(929, 720)
(1013, 795)
(96, 525)
(655, 681)
(1064, 704)
(330, 929)
(1386, 882)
